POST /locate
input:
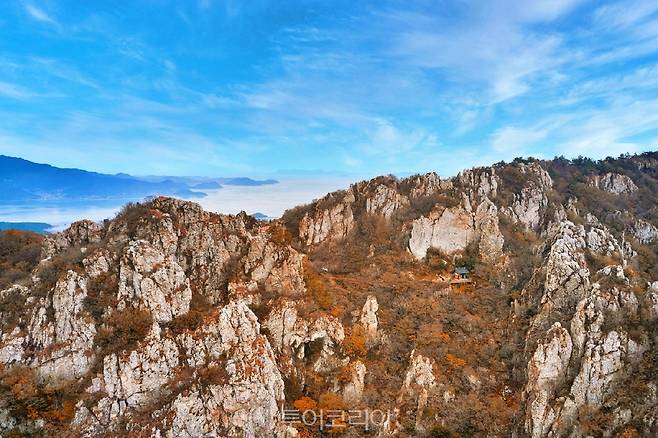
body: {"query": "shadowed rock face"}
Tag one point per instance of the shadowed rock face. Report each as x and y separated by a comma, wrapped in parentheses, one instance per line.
(172, 321)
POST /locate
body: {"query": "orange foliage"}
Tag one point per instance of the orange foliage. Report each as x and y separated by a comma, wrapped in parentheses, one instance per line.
(305, 433)
(63, 415)
(337, 311)
(455, 361)
(22, 382)
(337, 426)
(305, 404)
(331, 401)
(355, 342)
(629, 432)
(32, 413)
(280, 235)
(316, 286)
(14, 233)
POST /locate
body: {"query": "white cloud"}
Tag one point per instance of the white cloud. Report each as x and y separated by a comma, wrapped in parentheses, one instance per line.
(494, 45)
(624, 14)
(14, 91)
(39, 14)
(516, 140)
(389, 141)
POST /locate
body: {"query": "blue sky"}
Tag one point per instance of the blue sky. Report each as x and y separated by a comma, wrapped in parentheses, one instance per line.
(224, 87)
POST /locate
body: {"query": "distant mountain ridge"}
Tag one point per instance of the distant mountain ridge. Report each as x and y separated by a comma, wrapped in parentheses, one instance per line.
(25, 181)
(209, 183)
(37, 227)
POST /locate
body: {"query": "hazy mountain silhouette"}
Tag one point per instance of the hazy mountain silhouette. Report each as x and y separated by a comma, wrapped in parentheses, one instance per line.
(22, 180)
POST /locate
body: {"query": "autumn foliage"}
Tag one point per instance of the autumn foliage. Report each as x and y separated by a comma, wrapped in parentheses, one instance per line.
(305, 404)
(355, 341)
(317, 287)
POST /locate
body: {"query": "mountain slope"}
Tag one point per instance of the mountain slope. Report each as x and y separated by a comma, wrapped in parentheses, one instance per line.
(22, 180)
(171, 321)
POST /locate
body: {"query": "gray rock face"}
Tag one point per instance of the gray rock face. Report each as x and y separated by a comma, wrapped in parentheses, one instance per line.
(453, 229)
(614, 183)
(83, 233)
(600, 357)
(241, 401)
(369, 320)
(65, 338)
(529, 206)
(247, 400)
(353, 390)
(651, 301)
(150, 280)
(567, 275)
(645, 232)
(546, 372)
(480, 182)
(491, 239)
(385, 201)
(583, 362)
(332, 223)
(291, 336)
(277, 267)
(419, 380)
(450, 231)
(426, 185)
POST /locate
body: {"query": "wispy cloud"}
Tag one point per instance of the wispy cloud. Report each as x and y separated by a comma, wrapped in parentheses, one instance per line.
(14, 91)
(516, 140)
(39, 14)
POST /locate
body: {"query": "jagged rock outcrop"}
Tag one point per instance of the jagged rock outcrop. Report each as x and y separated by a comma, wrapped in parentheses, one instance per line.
(426, 185)
(480, 182)
(238, 396)
(59, 329)
(291, 336)
(586, 359)
(651, 301)
(278, 268)
(153, 281)
(453, 229)
(385, 201)
(419, 380)
(334, 222)
(567, 278)
(79, 233)
(353, 389)
(449, 231)
(247, 398)
(645, 232)
(221, 378)
(530, 204)
(546, 372)
(613, 183)
(491, 239)
(369, 320)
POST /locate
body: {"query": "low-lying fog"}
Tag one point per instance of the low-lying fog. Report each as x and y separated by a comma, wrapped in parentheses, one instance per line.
(271, 200)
